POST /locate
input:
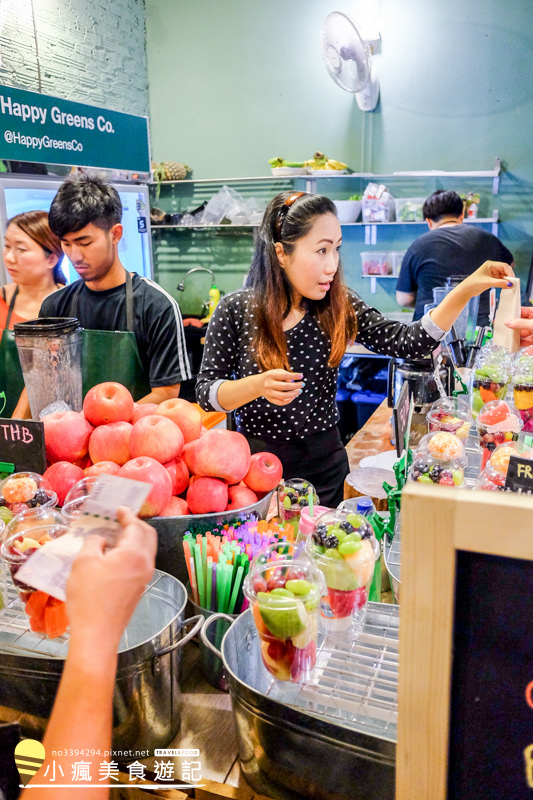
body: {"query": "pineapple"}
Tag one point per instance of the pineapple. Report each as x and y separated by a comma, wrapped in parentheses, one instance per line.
(174, 171)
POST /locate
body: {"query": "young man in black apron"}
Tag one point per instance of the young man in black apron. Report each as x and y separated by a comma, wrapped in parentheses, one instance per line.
(133, 331)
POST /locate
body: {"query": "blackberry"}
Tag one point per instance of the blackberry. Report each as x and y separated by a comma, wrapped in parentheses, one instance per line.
(346, 526)
(303, 501)
(2, 501)
(321, 528)
(365, 530)
(32, 503)
(490, 446)
(41, 497)
(331, 541)
(292, 497)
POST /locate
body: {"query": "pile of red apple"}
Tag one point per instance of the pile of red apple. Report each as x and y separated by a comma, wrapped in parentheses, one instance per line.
(192, 470)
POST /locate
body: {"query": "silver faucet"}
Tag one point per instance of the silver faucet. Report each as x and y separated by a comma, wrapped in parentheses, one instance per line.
(181, 285)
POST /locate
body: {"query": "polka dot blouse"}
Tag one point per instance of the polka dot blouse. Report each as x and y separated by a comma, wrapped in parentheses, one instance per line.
(227, 357)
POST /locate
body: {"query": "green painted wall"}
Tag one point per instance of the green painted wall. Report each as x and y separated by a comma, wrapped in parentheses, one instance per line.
(233, 83)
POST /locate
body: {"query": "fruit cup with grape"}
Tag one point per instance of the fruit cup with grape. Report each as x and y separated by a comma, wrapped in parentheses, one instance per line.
(23, 491)
(293, 496)
(438, 471)
(26, 533)
(491, 375)
(523, 391)
(344, 548)
(495, 473)
(498, 422)
(451, 415)
(285, 600)
(443, 445)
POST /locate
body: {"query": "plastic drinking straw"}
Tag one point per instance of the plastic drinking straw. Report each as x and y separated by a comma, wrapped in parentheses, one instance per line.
(310, 501)
(199, 574)
(236, 588)
(245, 604)
(198, 538)
(214, 589)
(221, 587)
(194, 587)
(229, 572)
(209, 583)
(204, 558)
(187, 551)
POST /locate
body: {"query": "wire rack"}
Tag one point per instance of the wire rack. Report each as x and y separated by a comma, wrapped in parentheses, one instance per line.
(355, 684)
(16, 636)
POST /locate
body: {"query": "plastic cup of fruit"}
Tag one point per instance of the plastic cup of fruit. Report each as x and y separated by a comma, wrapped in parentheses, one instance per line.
(24, 535)
(492, 372)
(344, 548)
(498, 422)
(293, 495)
(26, 490)
(490, 482)
(76, 497)
(285, 602)
(443, 445)
(440, 471)
(452, 415)
(277, 551)
(523, 391)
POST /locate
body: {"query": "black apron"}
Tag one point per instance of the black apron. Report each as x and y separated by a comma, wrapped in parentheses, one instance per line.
(112, 355)
(320, 459)
(11, 377)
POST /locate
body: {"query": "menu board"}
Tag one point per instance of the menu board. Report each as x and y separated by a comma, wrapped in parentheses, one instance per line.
(465, 696)
(491, 711)
(22, 445)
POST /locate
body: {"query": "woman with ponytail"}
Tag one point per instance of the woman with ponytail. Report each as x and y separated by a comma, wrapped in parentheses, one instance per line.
(273, 349)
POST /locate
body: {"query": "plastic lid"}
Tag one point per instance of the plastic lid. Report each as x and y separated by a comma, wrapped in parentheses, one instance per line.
(443, 445)
(442, 472)
(453, 407)
(47, 326)
(499, 460)
(364, 504)
(499, 416)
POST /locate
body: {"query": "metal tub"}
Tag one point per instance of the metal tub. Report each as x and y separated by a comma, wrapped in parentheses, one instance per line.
(333, 739)
(146, 703)
(170, 532)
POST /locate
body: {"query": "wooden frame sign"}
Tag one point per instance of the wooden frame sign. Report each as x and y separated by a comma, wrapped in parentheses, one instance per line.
(465, 706)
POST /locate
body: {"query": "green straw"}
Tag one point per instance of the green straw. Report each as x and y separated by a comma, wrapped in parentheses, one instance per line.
(204, 557)
(236, 588)
(209, 583)
(221, 586)
(228, 569)
(199, 574)
(310, 500)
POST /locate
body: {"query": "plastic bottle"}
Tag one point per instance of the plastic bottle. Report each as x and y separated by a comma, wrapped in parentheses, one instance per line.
(365, 506)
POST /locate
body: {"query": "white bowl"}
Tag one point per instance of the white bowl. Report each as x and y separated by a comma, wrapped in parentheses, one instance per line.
(348, 210)
(280, 171)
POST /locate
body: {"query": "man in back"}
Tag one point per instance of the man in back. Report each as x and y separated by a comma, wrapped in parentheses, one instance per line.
(133, 331)
(450, 248)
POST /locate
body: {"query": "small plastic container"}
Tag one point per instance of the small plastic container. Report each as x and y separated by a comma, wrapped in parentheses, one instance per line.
(498, 462)
(450, 414)
(397, 258)
(490, 377)
(293, 495)
(409, 209)
(286, 611)
(498, 422)
(307, 523)
(344, 548)
(439, 471)
(26, 490)
(376, 263)
(76, 496)
(523, 391)
(443, 445)
(25, 533)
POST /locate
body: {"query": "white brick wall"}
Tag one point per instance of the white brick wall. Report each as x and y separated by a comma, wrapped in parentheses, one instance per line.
(91, 51)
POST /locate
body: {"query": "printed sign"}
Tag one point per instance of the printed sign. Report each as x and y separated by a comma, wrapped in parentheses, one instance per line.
(401, 419)
(36, 127)
(22, 444)
(519, 475)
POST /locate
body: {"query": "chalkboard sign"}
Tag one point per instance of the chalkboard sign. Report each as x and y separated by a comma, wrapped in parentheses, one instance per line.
(401, 419)
(22, 444)
(465, 702)
(519, 475)
(491, 723)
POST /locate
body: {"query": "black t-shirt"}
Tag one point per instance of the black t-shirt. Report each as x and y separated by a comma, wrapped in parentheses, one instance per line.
(157, 321)
(454, 250)
(227, 357)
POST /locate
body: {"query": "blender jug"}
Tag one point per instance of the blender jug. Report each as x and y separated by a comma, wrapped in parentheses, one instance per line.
(465, 324)
(50, 356)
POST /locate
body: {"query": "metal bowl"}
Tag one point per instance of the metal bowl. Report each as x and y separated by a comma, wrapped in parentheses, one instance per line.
(170, 531)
